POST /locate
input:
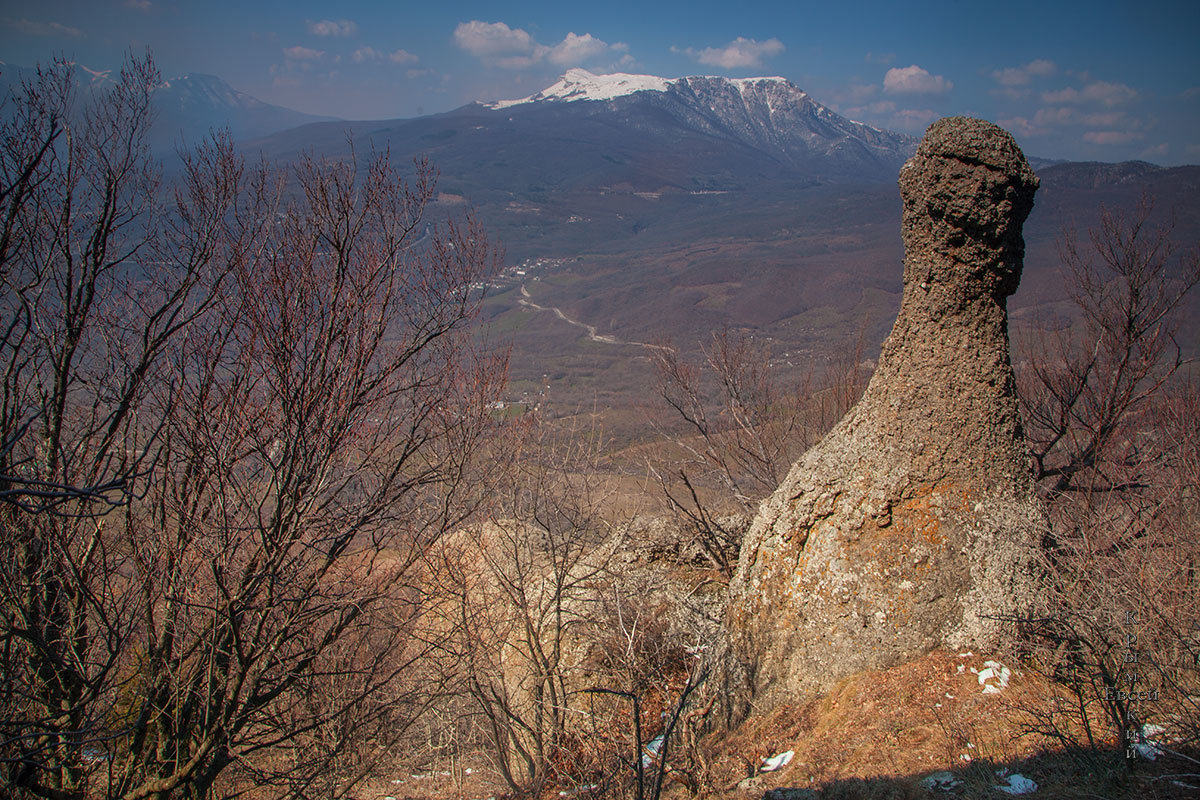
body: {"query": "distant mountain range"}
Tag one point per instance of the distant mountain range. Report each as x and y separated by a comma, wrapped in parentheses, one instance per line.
(194, 103)
(634, 207)
(639, 207)
(771, 115)
(638, 131)
(188, 107)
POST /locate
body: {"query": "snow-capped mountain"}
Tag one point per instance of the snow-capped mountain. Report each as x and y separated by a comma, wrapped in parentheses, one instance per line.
(189, 106)
(770, 114)
(579, 84)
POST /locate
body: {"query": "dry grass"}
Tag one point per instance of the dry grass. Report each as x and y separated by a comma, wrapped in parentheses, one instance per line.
(879, 733)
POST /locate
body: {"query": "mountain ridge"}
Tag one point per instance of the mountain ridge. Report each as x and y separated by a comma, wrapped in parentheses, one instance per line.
(190, 105)
(767, 113)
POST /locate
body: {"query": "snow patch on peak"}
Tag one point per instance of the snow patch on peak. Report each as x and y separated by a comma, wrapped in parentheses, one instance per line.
(579, 84)
(743, 82)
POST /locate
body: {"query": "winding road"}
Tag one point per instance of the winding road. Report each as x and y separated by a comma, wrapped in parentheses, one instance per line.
(591, 329)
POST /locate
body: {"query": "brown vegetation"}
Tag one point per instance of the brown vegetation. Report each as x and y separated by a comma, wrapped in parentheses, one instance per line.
(735, 427)
(1111, 414)
(231, 424)
(261, 534)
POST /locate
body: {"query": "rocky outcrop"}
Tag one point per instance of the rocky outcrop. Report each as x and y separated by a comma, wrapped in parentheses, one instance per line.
(913, 524)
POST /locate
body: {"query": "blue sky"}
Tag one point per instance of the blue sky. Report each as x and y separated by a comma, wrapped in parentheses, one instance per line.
(1103, 80)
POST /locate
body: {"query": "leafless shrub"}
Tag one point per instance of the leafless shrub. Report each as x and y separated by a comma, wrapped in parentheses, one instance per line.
(232, 425)
(519, 590)
(1110, 411)
(1084, 392)
(737, 428)
(654, 636)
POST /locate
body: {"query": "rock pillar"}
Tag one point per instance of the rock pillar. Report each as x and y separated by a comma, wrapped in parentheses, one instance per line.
(913, 523)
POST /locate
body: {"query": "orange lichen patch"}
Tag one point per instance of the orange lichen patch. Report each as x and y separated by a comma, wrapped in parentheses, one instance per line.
(918, 518)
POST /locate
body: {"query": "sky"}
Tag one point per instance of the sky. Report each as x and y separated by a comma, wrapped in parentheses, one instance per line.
(1102, 80)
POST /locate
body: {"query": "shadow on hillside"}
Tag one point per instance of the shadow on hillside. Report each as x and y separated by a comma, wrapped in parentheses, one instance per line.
(1067, 775)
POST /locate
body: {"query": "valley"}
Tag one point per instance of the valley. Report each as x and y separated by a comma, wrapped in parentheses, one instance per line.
(635, 438)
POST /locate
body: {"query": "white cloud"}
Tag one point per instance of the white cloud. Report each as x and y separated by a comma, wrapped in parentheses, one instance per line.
(1054, 116)
(31, 28)
(1021, 126)
(513, 48)
(914, 80)
(1022, 76)
(1067, 95)
(332, 27)
(1112, 137)
(494, 39)
(861, 92)
(913, 119)
(575, 50)
(1109, 94)
(1106, 119)
(299, 53)
(739, 53)
(878, 108)
(364, 54)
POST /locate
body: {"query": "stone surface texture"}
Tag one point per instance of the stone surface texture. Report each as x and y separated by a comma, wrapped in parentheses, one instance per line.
(913, 524)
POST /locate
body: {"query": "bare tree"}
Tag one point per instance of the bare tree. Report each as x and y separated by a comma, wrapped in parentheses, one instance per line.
(1083, 391)
(656, 633)
(1120, 632)
(735, 427)
(223, 465)
(522, 589)
(1109, 409)
(88, 309)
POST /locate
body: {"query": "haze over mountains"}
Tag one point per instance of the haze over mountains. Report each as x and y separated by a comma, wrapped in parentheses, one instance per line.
(688, 134)
(633, 208)
(188, 107)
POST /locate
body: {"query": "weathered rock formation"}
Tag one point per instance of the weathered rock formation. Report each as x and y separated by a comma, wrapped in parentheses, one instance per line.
(913, 523)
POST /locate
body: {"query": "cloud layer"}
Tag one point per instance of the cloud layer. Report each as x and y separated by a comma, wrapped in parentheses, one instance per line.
(1109, 94)
(914, 80)
(738, 54)
(32, 28)
(330, 27)
(367, 54)
(497, 44)
(1022, 76)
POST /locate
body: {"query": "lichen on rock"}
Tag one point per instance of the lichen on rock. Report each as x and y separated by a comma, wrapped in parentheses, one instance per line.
(913, 524)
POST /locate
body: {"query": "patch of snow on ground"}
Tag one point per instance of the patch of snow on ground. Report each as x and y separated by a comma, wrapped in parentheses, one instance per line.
(1147, 747)
(1015, 783)
(778, 761)
(940, 781)
(993, 677)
